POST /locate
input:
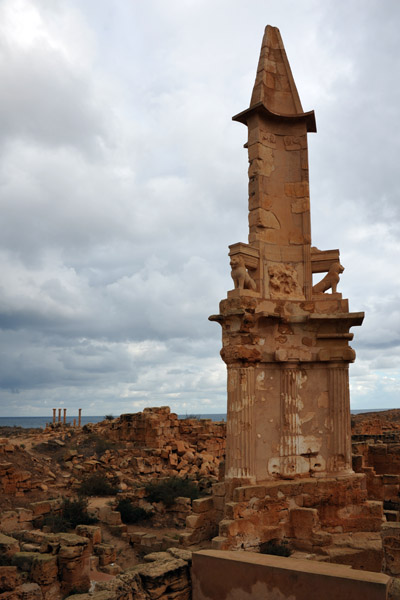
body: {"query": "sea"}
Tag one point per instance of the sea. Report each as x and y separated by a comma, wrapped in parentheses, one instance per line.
(40, 422)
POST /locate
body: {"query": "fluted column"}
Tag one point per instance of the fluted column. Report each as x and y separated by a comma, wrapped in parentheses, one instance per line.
(339, 412)
(290, 421)
(240, 449)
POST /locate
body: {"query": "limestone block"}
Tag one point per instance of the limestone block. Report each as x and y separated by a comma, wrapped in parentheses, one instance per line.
(113, 569)
(298, 189)
(220, 543)
(92, 532)
(70, 552)
(197, 520)
(300, 205)
(106, 553)
(8, 578)
(30, 548)
(109, 516)
(185, 538)
(374, 508)
(303, 522)
(30, 591)
(136, 537)
(181, 553)
(265, 219)
(40, 508)
(9, 521)
(201, 505)
(71, 539)
(219, 502)
(24, 515)
(44, 569)
(148, 539)
(153, 556)
(224, 526)
(180, 447)
(118, 530)
(391, 548)
(245, 493)
(166, 579)
(8, 545)
(21, 476)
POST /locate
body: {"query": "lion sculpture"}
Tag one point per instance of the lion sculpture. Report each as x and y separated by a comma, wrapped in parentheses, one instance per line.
(330, 280)
(240, 276)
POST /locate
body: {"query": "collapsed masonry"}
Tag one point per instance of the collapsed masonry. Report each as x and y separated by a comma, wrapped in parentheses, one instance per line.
(286, 346)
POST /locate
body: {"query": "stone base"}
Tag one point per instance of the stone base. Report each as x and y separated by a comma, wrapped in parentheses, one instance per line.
(306, 512)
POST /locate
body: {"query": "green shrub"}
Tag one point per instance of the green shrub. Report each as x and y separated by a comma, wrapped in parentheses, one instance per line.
(102, 445)
(168, 490)
(73, 512)
(97, 485)
(275, 547)
(96, 444)
(109, 417)
(131, 513)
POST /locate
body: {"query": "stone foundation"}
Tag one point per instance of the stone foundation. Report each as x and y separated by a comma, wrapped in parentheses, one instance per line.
(306, 512)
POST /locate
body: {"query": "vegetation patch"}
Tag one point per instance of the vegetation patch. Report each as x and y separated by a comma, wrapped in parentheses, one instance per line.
(73, 512)
(97, 485)
(168, 490)
(131, 513)
(96, 444)
(275, 547)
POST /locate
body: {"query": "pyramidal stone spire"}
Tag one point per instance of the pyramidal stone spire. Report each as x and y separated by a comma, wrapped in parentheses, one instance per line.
(275, 91)
(274, 86)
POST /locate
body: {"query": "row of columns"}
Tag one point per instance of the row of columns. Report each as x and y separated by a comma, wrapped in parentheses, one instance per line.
(65, 416)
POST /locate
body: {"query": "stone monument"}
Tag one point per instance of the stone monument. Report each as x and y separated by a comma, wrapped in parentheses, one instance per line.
(285, 338)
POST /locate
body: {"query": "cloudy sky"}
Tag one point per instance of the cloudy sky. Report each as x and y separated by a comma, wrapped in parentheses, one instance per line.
(123, 180)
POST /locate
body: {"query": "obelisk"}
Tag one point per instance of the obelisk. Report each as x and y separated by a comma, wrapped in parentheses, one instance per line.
(285, 343)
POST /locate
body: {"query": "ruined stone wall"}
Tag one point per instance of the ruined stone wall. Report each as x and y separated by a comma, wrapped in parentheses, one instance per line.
(165, 576)
(380, 462)
(306, 512)
(384, 458)
(51, 565)
(155, 427)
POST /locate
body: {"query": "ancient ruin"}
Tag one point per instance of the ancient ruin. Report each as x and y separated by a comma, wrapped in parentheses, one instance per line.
(285, 341)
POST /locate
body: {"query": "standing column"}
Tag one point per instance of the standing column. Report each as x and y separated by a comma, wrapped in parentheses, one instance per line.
(339, 412)
(65, 416)
(290, 422)
(54, 416)
(79, 417)
(240, 454)
(59, 415)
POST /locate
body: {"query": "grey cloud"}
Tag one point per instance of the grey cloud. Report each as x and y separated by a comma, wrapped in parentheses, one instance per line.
(123, 181)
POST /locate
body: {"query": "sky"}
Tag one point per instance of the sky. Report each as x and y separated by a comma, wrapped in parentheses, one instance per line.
(123, 180)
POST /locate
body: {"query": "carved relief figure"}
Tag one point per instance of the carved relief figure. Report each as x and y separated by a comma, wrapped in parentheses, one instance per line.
(330, 280)
(240, 276)
(283, 280)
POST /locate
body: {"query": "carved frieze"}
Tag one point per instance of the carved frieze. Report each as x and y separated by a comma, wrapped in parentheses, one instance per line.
(283, 281)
